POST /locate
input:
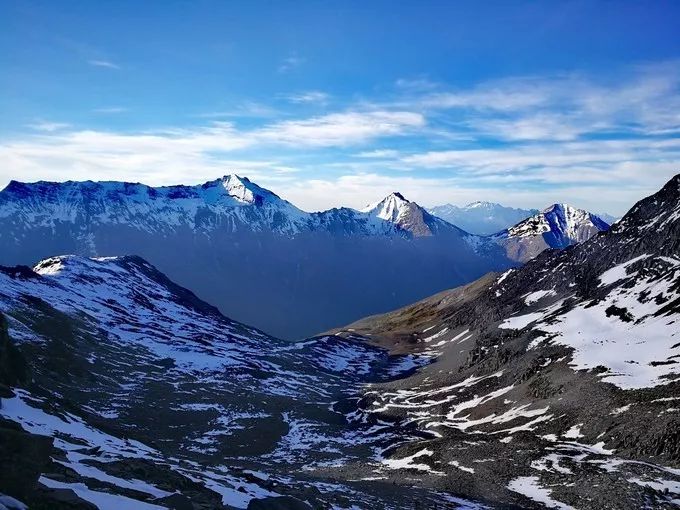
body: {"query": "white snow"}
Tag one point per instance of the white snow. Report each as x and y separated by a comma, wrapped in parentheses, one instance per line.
(619, 272)
(530, 487)
(458, 465)
(102, 500)
(520, 321)
(537, 295)
(574, 432)
(407, 462)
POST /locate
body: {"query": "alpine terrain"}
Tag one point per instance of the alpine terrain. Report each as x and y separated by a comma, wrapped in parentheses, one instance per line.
(551, 385)
(255, 256)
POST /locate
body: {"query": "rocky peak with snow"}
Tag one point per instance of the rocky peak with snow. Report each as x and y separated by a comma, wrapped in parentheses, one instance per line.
(564, 224)
(241, 189)
(557, 226)
(232, 202)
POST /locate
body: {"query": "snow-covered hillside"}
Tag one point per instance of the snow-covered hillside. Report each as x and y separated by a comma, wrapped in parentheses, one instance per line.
(153, 399)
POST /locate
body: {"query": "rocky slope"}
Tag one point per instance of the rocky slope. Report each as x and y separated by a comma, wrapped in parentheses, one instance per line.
(557, 227)
(120, 389)
(482, 218)
(255, 256)
(553, 385)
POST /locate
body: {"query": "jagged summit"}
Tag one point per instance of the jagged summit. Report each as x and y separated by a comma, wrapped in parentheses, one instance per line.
(408, 216)
(567, 224)
(242, 189)
(389, 208)
(656, 210)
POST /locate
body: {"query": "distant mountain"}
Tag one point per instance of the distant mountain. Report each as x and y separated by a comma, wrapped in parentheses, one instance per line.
(481, 218)
(552, 381)
(256, 256)
(608, 218)
(558, 226)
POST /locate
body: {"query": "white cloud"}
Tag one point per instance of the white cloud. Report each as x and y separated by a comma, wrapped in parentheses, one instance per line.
(357, 190)
(110, 109)
(103, 63)
(541, 126)
(416, 84)
(181, 155)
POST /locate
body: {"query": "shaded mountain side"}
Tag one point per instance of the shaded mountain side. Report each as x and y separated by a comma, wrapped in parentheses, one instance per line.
(247, 251)
(557, 382)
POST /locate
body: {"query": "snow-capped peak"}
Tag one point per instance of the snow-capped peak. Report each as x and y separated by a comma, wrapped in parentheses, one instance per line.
(481, 204)
(390, 208)
(241, 189)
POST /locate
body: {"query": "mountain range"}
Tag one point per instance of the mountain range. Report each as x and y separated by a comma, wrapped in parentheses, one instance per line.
(254, 255)
(550, 385)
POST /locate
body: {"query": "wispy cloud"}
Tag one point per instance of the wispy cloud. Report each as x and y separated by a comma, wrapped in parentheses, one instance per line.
(110, 109)
(291, 62)
(416, 84)
(310, 96)
(252, 109)
(103, 63)
(378, 154)
(49, 127)
(341, 129)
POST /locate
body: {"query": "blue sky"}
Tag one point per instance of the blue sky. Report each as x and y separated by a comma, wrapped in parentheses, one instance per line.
(327, 104)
